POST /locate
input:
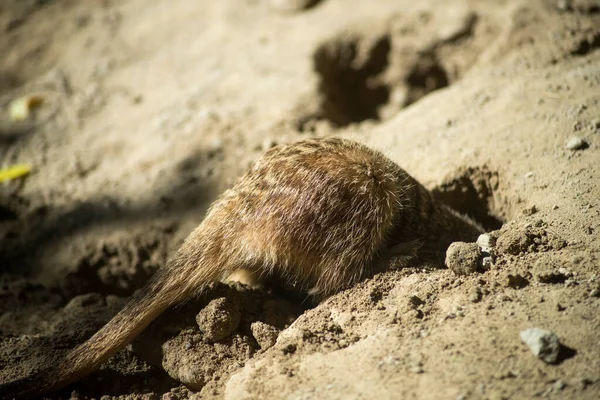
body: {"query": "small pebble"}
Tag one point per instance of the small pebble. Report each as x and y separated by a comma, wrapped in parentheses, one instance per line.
(576, 143)
(487, 262)
(417, 369)
(292, 5)
(595, 292)
(543, 344)
(596, 124)
(558, 386)
(487, 244)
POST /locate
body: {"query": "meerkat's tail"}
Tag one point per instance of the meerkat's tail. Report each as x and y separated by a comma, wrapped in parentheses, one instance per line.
(160, 293)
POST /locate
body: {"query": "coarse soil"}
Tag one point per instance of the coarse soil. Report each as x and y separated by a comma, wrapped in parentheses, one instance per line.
(152, 108)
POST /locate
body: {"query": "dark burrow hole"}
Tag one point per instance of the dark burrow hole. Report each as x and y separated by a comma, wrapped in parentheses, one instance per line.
(348, 84)
(352, 83)
(471, 192)
(426, 76)
(587, 45)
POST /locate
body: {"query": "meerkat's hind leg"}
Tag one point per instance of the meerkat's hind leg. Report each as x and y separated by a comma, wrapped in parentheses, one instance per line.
(248, 277)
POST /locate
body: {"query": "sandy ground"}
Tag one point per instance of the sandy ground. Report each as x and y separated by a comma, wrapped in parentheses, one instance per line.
(153, 108)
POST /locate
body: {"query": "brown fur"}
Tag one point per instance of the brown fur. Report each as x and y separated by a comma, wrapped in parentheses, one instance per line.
(318, 213)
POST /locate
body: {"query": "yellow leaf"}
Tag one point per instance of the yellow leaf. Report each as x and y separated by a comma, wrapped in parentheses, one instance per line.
(16, 171)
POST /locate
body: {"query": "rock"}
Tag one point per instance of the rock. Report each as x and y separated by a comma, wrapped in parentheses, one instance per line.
(487, 262)
(265, 335)
(486, 243)
(292, 5)
(543, 344)
(514, 242)
(576, 143)
(463, 258)
(218, 320)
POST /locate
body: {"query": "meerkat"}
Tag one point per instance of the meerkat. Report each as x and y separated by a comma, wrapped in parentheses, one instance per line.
(319, 214)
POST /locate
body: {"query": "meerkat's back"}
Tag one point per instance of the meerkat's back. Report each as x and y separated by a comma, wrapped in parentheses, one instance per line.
(317, 212)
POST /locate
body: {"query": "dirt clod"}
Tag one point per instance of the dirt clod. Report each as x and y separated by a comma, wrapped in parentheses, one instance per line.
(265, 335)
(199, 364)
(475, 294)
(463, 258)
(533, 237)
(219, 319)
